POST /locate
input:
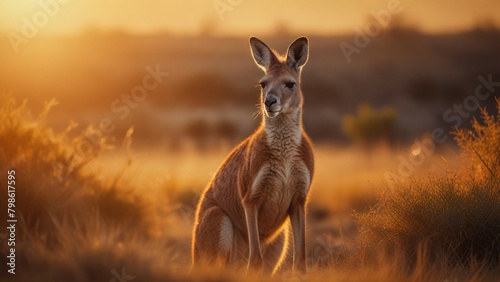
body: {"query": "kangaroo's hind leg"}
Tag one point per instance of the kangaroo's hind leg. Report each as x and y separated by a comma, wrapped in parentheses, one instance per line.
(213, 237)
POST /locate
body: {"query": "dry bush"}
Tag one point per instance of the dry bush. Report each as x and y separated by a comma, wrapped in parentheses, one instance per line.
(481, 146)
(51, 183)
(453, 219)
(94, 251)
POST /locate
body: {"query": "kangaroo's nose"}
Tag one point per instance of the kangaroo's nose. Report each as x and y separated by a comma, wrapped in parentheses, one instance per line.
(270, 100)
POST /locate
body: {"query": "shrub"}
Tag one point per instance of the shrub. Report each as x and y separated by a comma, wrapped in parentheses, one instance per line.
(369, 126)
(455, 218)
(481, 146)
(51, 183)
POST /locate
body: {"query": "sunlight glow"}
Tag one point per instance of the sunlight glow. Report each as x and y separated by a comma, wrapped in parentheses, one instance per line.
(319, 17)
(415, 152)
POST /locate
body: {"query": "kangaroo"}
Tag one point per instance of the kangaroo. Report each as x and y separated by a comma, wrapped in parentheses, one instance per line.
(242, 215)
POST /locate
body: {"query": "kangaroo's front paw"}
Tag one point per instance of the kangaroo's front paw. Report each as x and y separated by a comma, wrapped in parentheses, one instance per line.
(255, 263)
(300, 271)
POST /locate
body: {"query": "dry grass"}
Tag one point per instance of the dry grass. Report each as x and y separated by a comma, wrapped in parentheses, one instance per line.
(83, 219)
(52, 184)
(451, 220)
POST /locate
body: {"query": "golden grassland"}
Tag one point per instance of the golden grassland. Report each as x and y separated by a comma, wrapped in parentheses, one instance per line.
(120, 210)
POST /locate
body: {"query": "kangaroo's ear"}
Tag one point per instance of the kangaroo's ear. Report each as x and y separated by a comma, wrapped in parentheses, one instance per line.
(263, 56)
(298, 53)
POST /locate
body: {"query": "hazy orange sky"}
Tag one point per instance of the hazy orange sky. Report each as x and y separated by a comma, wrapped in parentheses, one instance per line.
(245, 17)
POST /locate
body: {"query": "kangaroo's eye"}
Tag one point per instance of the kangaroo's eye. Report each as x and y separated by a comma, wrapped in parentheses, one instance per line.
(290, 85)
(262, 85)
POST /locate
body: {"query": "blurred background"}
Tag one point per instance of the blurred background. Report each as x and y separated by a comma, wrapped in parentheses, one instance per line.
(418, 60)
(100, 98)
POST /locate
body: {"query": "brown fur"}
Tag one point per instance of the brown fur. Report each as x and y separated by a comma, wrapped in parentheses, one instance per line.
(242, 215)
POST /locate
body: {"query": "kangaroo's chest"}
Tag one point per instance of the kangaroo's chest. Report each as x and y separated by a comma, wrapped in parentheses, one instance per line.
(285, 176)
(282, 178)
(284, 181)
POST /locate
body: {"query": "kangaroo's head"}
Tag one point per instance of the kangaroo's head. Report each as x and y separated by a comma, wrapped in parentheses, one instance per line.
(280, 85)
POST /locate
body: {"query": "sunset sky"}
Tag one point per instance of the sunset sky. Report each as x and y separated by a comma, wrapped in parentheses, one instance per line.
(244, 17)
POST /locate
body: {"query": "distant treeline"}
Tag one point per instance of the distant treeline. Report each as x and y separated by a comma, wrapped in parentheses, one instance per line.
(420, 76)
